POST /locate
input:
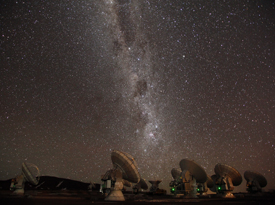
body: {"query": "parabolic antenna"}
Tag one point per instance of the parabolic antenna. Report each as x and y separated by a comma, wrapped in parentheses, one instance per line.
(191, 175)
(127, 165)
(202, 188)
(123, 173)
(177, 176)
(140, 185)
(143, 184)
(176, 173)
(228, 171)
(155, 182)
(29, 174)
(154, 189)
(251, 176)
(195, 170)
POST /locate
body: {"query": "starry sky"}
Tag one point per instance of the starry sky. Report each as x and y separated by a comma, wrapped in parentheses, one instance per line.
(161, 80)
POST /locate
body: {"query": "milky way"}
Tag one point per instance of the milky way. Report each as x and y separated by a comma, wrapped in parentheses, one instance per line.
(133, 54)
(160, 80)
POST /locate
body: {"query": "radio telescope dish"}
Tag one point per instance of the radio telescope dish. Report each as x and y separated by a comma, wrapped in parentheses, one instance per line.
(255, 176)
(254, 181)
(140, 185)
(127, 165)
(177, 182)
(155, 185)
(126, 183)
(30, 173)
(195, 170)
(191, 174)
(176, 173)
(154, 189)
(225, 179)
(123, 173)
(202, 188)
(228, 171)
(143, 184)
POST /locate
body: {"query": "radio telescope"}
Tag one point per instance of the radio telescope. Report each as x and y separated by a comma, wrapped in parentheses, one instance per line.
(185, 181)
(176, 173)
(175, 185)
(30, 173)
(254, 181)
(123, 173)
(140, 185)
(202, 188)
(225, 179)
(193, 174)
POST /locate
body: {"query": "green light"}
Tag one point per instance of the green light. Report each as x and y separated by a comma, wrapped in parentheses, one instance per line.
(172, 189)
(198, 189)
(219, 188)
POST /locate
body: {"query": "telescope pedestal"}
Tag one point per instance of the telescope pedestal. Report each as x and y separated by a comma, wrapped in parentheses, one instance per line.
(18, 185)
(116, 194)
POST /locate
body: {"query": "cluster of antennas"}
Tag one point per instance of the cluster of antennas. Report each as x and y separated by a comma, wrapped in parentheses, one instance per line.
(192, 179)
(188, 181)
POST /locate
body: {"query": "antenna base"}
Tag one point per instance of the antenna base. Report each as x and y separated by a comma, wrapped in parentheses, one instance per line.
(18, 185)
(116, 194)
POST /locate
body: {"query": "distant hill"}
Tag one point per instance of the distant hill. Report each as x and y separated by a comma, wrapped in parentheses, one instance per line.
(53, 183)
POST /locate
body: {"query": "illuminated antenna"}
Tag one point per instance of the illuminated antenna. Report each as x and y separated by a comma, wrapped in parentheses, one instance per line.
(254, 181)
(225, 179)
(30, 173)
(124, 172)
(192, 173)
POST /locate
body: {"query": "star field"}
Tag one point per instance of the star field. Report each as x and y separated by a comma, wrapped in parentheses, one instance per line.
(160, 80)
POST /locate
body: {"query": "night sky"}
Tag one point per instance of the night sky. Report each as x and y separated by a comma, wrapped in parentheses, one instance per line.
(160, 80)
